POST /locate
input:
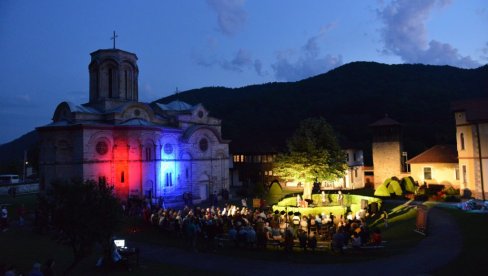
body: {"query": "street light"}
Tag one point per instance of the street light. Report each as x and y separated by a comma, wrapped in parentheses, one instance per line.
(26, 163)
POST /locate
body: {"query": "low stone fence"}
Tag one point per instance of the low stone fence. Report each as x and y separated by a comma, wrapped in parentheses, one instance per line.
(19, 189)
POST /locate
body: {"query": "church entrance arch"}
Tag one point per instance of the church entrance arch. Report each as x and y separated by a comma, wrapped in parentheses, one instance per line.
(203, 184)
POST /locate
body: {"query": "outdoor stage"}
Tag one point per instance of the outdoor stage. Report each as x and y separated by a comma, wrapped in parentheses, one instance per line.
(350, 203)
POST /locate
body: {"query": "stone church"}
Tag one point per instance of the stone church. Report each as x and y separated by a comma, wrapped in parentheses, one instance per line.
(144, 150)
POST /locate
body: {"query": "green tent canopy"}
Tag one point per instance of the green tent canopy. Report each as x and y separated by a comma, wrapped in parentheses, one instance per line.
(382, 190)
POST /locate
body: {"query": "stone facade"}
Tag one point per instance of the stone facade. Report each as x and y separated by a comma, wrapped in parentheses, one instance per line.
(386, 149)
(472, 146)
(153, 150)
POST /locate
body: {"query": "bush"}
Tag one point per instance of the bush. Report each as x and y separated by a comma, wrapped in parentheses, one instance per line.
(275, 189)
(451, 191)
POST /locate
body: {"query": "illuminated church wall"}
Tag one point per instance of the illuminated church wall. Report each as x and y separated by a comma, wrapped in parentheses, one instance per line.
(152, 150)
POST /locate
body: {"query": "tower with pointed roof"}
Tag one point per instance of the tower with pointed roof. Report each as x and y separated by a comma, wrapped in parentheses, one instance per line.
(386, 149)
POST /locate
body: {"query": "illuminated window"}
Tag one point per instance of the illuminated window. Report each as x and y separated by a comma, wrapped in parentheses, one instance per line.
(265, 172)
(270, 173)
(428, 173)
(461, 140)
(242, 158)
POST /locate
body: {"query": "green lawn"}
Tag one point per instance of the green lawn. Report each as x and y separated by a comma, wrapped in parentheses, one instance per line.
(22, 247)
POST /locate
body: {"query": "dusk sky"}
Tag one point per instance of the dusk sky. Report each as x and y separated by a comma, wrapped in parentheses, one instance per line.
(45, 46)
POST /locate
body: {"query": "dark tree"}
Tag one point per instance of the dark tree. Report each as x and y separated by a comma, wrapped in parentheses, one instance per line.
(84, 213)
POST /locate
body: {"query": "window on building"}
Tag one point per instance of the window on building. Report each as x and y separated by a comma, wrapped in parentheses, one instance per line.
(168, 148)
(465, 175)
(101, 148)
(427, 173)
(265, 172)
(148, 153)
(456, 171)
(270, 173)
(355, 157)
(110, 80)
(169, 179)
(126, 84)
(102, 179)
(122, 177)
(461, 140)
(356, 173)
(186, 173)
(203, 144)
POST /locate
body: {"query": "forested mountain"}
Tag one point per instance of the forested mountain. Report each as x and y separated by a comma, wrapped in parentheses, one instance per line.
(260, 118)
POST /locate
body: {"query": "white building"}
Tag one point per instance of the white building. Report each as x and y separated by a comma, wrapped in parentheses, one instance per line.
(152, 150)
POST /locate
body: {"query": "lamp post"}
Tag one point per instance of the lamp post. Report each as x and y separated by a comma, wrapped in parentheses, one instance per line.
(25, 166)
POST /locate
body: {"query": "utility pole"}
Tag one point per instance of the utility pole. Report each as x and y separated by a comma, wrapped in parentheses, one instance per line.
(25, 165)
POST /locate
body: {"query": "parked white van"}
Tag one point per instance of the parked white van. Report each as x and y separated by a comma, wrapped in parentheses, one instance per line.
(6, 179)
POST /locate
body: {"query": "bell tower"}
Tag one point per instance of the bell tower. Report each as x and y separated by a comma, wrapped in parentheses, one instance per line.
(113, 78)
(387, 149)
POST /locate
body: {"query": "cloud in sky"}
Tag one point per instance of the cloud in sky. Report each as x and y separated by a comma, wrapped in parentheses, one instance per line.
(309, 62)
(484, 51)
(231, 15)
(405, 34)
(241, 60)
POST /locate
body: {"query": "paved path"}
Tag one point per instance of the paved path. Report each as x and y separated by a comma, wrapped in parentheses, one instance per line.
(434, 251)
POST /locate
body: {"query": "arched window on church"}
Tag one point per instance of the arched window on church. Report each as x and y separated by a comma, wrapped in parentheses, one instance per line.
(169, 179)
(461, 140)
(148, 153)
(110, 82)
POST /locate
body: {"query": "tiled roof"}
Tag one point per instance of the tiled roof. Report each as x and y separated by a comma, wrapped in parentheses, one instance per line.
(175, 106)
(386, 121)
(437, 154)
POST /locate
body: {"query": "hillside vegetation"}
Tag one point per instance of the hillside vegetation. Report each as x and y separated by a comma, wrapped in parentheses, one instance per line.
(260, 118)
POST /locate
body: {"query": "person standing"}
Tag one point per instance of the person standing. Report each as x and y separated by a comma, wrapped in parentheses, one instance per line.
(21, 212)
(4, 219)
(340, 198)
(385, 218)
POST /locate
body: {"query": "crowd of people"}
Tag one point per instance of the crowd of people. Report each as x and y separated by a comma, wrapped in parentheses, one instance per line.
(245, 227)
